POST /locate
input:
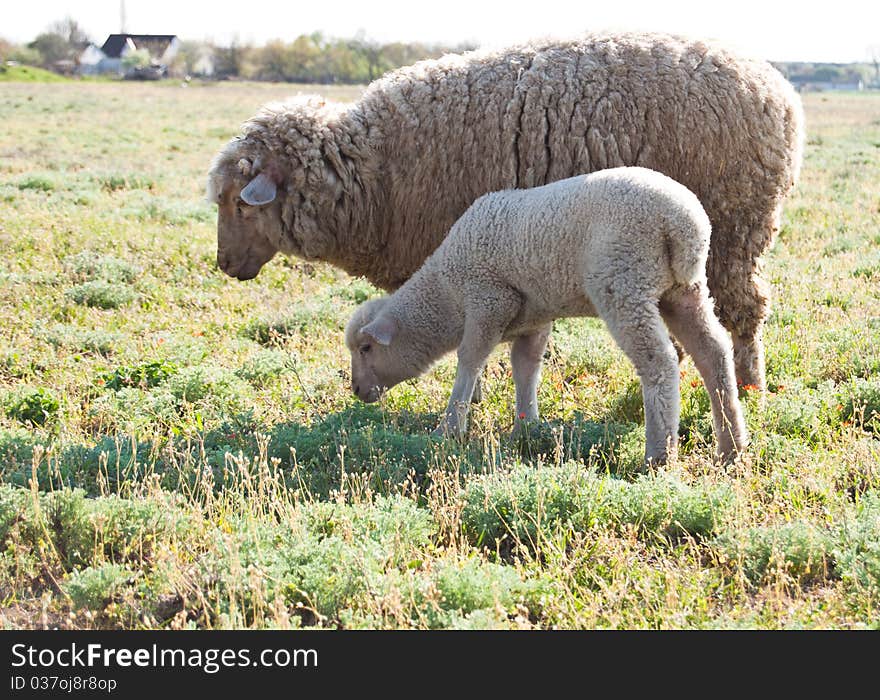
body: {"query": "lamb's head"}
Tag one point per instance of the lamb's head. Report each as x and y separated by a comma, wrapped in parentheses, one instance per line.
(249, 228)
(382, 352)
(277, 187)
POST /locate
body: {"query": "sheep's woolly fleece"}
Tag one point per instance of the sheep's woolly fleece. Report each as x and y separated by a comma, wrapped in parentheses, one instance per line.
(626, 244)
(374, 186)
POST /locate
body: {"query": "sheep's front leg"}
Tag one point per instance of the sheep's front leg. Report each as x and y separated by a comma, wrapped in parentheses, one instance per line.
(526, 354)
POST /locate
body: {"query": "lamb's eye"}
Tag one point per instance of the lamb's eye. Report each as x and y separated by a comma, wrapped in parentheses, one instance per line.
(365, 348)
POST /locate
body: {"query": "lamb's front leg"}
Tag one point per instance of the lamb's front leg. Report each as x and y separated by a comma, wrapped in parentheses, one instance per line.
(455, 420)
(483, 329)
(526, 354)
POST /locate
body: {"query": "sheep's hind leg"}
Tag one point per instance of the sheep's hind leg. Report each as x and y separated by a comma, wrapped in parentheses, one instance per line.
(526, 354)
(689, 315)
(634, 321)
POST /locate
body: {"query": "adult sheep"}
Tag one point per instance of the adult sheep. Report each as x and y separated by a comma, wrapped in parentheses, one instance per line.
(374, 186)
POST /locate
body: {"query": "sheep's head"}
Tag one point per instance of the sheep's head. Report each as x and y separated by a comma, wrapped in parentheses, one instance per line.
(381, 353)
(278, 187)
(249, 228)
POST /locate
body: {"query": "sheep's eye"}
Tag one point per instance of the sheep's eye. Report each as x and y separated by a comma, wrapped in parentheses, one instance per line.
(364, 349)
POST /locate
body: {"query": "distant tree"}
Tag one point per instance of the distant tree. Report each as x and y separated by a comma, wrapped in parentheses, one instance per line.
(829, 73)
(62, 40)
(874, 55)
(51, 48)
(271, 62)
(190, 54)
(69, 29)
(136, 59)
(338, 63)
(373, 54)
(25, 55)
(303, 57)
(314, 58)
(5, 49)
(230, 61)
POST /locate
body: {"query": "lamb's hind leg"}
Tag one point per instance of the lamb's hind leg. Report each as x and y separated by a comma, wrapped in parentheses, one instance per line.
(635, 324)
(690, 316)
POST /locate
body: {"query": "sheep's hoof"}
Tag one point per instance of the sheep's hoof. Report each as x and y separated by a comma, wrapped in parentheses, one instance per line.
(528, 434)
(522, 429)
(477, 396)
(733, 459)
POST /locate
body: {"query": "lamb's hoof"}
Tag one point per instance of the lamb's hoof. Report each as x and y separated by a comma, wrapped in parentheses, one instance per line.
(654, 462)
(444, 432)
(651, 465)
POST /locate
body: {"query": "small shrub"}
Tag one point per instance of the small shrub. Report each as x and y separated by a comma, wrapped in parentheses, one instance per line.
(797, 549)
(613, 444)
(526, 504)
(136, 409)
(83, 340)
(857, 549)
(662, 504)
(129, 181)
(795, 413)
(193, 384)
(143, 376)
(357, 291)
(93, 588)
(39, 183)
(265, 331)
(89, 265)
(33, 407)
(260, 369)
(860, 400)
(101, 294)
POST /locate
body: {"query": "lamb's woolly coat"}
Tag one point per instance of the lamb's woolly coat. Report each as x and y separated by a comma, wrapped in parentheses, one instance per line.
(374, 186)
(626, 244)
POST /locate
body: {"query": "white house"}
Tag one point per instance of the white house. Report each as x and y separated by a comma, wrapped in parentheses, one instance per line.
(108, 59)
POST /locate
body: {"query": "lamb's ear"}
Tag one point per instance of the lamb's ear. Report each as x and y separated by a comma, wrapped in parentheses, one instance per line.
(261, 190)
(382, 329)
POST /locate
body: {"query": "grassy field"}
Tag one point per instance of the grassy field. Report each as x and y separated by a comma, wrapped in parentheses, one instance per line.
(179, 449)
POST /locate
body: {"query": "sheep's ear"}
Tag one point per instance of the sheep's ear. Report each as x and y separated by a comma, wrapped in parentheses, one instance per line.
(261, 190)
(382, 329)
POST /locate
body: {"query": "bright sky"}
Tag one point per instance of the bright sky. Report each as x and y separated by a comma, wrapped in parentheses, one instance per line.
(781, 30)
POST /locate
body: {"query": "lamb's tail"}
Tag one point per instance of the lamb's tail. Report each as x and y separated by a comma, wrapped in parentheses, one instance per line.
(688, 248)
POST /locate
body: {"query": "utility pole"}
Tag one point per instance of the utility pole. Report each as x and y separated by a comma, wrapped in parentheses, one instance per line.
(122, 17)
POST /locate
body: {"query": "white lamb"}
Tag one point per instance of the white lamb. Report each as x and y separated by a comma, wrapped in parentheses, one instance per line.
(628, 245)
